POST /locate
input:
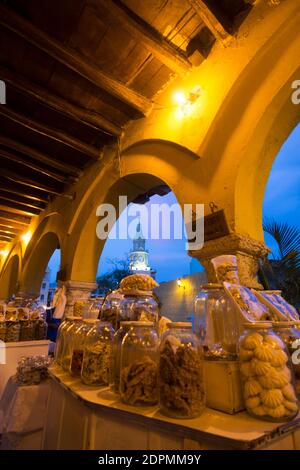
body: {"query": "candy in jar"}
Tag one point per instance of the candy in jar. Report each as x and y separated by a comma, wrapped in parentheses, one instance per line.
(12, 331)
(267, 377)
(78, 344)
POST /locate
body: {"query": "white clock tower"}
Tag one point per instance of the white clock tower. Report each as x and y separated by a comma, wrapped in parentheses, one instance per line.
(139, 256)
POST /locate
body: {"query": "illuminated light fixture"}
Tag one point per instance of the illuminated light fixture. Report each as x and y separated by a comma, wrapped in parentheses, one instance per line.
(26, 237)
(4, 253)
(180, 283)
(186, 101)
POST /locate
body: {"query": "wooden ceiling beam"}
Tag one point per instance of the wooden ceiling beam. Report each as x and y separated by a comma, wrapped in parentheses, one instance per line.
(9, 230)
(49, 132)
(3, 238)
(20, 199)
(70, 170)
(20, 208)
(10, 156)
(63, 106)
(220, 29)
(73, 61)
(14, 218)
(29, 193)
(144, 33)
(4, 233)
(11, 176)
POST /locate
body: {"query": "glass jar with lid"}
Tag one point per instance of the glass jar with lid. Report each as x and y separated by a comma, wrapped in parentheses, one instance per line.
(290, 334)
(216, 323)
(139, 361)
(2, 329)
(60, 338)
(97, 354)
(75, 324)
(266, 373)
(138, 306)
(26, 330)
(181, 384)
(110, 309)
(116, 355)
(78, 344)
(95, 308)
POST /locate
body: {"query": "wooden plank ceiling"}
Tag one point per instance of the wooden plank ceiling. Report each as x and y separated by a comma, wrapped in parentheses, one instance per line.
(76, 72)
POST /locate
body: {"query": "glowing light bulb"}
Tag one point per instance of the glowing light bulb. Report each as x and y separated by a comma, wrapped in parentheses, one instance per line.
(26, 237)
(179, 282)
(180, 98)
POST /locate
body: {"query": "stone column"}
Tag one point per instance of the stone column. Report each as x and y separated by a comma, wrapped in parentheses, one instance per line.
(77, 290)
(247, 250)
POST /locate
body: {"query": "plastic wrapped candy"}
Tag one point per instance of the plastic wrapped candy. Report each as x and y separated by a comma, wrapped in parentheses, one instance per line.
(32, 370)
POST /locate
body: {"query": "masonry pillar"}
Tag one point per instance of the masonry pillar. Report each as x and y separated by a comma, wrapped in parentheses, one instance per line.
(247, 250)
(77, 290)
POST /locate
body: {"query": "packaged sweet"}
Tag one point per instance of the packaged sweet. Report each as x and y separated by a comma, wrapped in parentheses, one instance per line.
(279, 307)
(249, 307)
(32, 370)
(12, 333)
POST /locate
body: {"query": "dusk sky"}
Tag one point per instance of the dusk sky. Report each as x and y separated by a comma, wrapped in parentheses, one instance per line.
(169, 258)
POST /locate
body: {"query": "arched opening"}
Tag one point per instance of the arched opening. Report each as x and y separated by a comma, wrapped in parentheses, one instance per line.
(9, 279)
(35, 267)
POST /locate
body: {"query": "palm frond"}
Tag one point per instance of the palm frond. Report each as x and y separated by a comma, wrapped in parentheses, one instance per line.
(286, 236)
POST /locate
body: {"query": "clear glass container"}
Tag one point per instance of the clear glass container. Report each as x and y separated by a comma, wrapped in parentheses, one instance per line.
(216, 323)
(181, 384)
(26, 330)
(139, 361)
(75, 324)
(97, 355)
(12, 331)
(95, 308)
(2, 329)
(116, 355)
(40, 329)
(110, 309)
(60, 339)
(290, 334)
(78, 344)
(138, 307)
(266, 373)
(79, 308)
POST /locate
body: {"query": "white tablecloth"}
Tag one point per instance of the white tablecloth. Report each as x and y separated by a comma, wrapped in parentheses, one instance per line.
(22, 411)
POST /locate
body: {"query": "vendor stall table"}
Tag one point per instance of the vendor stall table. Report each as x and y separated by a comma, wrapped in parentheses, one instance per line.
(22, 415)
(81, 417)
(14, 352)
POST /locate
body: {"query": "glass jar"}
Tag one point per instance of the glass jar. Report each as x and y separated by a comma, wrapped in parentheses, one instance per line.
(12, 331)
(110, 309)
(95, 308)
(2, 329)
(290, 335)
(116, 355)
(139, 361)
(216, 323)
(75, 324)
(97, 354)
(78, 344)
(26, 330)
(266, 373)
(60, 339)
(79, 308)
(40, 329)
(181, 385)
(138, 307)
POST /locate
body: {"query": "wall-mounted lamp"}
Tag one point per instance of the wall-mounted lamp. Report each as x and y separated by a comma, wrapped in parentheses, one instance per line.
(180, 283)
(186, 101)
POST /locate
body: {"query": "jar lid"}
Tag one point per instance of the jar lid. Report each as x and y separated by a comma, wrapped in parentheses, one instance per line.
(179, 324)
(285, 324)
(212, 285)
(90, 320)
(139, 323)
(258, 324)
(72, 318)
(137, 293)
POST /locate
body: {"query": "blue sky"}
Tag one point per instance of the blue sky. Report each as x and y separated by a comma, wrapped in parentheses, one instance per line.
(169, 258)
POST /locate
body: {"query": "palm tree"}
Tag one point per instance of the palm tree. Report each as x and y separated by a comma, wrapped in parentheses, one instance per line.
(282, 269)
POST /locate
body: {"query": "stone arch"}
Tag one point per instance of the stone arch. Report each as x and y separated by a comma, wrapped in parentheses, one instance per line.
(10, 277)
(141, 167)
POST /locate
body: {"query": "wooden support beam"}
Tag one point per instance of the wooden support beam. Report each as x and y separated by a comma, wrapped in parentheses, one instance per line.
(63, 106)
(11, 176)
(49, 132)
(29, 193)
(6, 234)
(144, 33)
(9, 229)
(70, 59)
(220, 29)
(5, 239)
(10, 156)
(70, 170)
(21, 199)
(14, 218)
(20, 208)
